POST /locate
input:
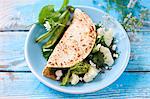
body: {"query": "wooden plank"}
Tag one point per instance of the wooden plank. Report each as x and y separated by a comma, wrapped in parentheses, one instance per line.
(16, 16)
(129, 85)
(12, 52)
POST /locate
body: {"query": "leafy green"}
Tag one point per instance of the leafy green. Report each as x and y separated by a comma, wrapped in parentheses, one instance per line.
(101, 41)
(95, 49)
(58, 22)
(45, 12)
(99, 25)
(54, 16)
(71, 8)
(58, 30)
(47, 53)
(98, 59)
(79, 68)
(65, 3)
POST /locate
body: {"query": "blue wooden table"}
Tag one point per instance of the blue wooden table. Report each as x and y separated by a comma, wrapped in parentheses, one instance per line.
(17, 81)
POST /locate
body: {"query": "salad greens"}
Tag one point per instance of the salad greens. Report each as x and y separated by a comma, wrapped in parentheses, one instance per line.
(78, 69)
(98, 59)
(57, 20)
(45, 13)
(58, 29)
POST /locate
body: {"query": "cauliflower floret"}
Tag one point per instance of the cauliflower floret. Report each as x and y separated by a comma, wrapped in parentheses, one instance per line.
(108, 35)
(74, 79)
(91, 74)
(108, 59)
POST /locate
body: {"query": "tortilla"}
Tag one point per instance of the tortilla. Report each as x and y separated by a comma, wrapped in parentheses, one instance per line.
(76, 43)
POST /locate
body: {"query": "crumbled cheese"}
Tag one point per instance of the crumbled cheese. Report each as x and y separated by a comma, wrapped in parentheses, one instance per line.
(58, 73)
(57, 78)
(74, 79)
(115, 55)
(114, 47)
(106, 67)
(108, 59)
(98, 46)
(91, 74)
(47, 26)
(80, 78)
(108, 37)
(92, 64)
(100, 31)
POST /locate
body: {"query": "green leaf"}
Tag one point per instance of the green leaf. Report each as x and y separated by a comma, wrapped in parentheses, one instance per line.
(65, 3)
(58, 30)
(45, 12)
(79, 68)
(98, 59)
(55, 16)
(47, 53)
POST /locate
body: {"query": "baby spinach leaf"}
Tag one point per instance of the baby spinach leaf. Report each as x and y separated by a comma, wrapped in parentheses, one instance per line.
(45, 12)
(98, 59)
(47, 53)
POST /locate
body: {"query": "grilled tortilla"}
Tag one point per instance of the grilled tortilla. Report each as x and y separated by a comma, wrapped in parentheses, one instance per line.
(75, 45)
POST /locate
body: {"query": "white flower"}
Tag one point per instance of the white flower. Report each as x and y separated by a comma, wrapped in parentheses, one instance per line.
(74, 79)
(47, 26)
(92, 64)
(108, 59)
(58, 73)
(91, 74)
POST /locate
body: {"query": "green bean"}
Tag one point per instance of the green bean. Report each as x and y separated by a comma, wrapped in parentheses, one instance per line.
(42, 37)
